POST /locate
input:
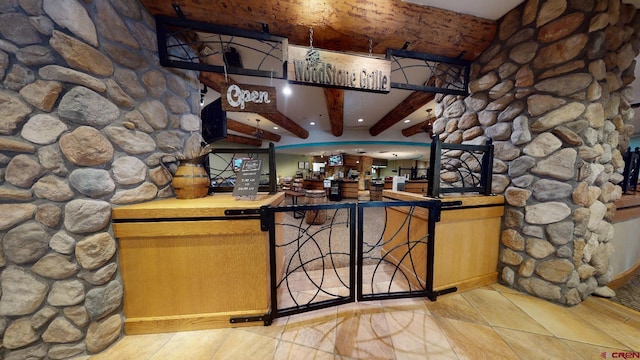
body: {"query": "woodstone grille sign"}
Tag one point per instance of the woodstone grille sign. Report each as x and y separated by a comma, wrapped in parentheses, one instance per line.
(317, 67)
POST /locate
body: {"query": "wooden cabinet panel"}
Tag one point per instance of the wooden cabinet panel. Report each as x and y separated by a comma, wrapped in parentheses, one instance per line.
(192, 273)
(466, 244)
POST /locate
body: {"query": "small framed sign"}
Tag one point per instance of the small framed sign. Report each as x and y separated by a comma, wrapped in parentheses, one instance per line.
(248, 180)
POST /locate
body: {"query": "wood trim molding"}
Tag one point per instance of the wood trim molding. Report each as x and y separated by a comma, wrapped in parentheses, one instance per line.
(625, 276)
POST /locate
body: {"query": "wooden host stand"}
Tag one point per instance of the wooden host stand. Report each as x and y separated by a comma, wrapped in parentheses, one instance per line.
(467, 239)
(189, 264)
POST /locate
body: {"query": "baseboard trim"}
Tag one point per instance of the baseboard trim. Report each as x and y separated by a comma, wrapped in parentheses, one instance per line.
(473, 283)
(175, 323)
(624, 277)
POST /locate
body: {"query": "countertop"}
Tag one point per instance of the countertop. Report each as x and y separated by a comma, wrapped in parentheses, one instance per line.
(211, 205)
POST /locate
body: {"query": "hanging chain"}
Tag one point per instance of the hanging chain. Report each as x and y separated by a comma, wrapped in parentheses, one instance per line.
(311, 37)
(370, 47)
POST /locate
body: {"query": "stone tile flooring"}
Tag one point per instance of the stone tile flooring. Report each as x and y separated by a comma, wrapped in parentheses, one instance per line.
(493, 322)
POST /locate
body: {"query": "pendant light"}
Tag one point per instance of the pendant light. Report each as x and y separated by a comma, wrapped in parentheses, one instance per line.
(395, 162)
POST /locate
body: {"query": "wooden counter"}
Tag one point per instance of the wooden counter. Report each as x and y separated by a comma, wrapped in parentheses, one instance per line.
(467, 238)
(416, 186)
(627, 207)
(349, 189)
(186, 265)
(313, 184)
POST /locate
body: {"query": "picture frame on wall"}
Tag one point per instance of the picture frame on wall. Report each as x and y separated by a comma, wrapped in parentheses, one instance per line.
(301, 165)
(307, 165)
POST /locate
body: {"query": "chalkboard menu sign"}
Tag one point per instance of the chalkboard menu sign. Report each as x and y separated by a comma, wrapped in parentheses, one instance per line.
(248, 180)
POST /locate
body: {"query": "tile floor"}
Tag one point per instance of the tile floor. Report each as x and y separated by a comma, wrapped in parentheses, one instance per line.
(493, 322)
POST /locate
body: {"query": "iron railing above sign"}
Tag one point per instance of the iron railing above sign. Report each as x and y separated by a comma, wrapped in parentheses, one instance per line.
(424, 72)
(202, 46)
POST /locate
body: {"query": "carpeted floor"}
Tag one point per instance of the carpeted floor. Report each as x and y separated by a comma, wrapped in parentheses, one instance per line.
(629, 294)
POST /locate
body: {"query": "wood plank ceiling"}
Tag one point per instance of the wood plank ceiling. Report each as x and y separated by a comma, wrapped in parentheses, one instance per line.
(344, 26)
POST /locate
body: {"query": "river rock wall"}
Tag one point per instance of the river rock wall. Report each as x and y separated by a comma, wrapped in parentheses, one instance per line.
(86, 112)
(552, 93)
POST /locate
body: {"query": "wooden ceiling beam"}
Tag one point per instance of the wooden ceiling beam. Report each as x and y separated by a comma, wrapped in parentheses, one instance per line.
(335, 107)
(250, 130)
(415, 129)
(347, 25)
(280, 119)
(244, 140)
(216, 81)
(412, 103)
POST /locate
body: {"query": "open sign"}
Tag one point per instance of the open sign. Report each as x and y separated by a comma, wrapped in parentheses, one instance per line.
(249, 98)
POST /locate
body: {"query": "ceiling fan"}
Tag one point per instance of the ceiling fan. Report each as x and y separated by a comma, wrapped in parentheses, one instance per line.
(428, 126)
(258, 134)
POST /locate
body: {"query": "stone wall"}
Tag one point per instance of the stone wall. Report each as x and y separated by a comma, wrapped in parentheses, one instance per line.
(552, 92)
(86, 112)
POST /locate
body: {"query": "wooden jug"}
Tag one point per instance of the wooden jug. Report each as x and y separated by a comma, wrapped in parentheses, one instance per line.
(191, 180)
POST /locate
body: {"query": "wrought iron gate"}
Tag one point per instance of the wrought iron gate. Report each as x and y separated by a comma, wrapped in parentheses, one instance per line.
(324, 255)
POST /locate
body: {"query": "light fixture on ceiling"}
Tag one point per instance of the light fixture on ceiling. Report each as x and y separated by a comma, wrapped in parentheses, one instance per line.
(312, 123)
(360, 120)
(286, 90)
(406, 121)
(258, 134)
(395, 162)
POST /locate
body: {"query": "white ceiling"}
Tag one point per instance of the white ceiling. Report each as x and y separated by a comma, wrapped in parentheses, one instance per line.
(307, 104)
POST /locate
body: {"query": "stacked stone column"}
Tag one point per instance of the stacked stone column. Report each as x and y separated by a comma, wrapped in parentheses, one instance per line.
(86, 112)
(553, 94)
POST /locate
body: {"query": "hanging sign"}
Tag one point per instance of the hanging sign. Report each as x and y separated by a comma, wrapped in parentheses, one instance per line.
(249, 98)
(312, 66)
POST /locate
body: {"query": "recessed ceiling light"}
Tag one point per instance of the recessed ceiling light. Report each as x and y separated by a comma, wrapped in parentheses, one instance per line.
(275, 128)
(286, 90)
(312, 123)
(407, 121)
(360, 120)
